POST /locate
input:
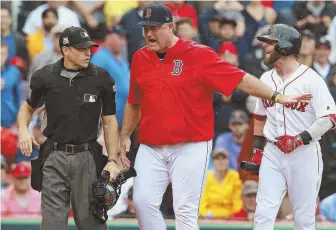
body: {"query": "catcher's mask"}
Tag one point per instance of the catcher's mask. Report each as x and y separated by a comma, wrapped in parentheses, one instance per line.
(105, 194)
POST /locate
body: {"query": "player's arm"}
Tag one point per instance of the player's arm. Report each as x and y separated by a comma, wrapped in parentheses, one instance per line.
(26, 111)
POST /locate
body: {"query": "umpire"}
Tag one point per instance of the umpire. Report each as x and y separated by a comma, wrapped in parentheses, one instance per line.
(78, 96)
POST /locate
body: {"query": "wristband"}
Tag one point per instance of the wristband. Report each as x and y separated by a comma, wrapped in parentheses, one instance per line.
(275, 96)
(305, 137)
(259, 142)
(112, 160)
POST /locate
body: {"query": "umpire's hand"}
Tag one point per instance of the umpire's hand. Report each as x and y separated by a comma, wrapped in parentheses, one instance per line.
(26, 142)
(113, 169)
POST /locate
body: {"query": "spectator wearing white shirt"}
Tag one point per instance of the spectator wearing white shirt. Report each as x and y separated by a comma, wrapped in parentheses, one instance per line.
(332, 39)
(66, 16)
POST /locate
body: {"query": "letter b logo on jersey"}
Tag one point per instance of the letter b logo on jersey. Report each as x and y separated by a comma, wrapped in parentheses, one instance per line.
(177, 69)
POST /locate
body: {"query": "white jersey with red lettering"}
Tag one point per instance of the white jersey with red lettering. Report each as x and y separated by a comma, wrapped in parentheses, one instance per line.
(300, 172)
(294, 118)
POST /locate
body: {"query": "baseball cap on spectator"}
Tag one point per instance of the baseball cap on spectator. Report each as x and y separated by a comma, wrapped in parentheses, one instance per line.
(228, 21)
(250, 187)
(116, 29)
(323, 41)
(76, 37)
(228, 46)
(21, 170)
(239, 116)
(307, 33)
(219, 151)
(155, 14)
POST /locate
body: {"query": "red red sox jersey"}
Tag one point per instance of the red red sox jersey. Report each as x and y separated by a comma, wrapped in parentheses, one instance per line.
(294, 118)
(175, 95)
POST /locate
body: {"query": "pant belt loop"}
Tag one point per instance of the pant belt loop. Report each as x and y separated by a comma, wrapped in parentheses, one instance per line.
(55, 145)
(86, 146)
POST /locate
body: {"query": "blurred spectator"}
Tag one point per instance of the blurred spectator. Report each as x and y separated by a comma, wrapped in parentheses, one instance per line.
(110, 58)
(10, 89)
(232, 141)
(321, 62)
(209, 21)
(134, 34)
(92, 19)
(227, 29)
(182, 10)
(314, 15)
(66, 16)
(130, 211)
(307, 48)
(332, 82)
(123, 202)
(185, 30)
(16, 42)
(114, 10)
(20, 199)
(332, 38)
(9, 143)
(48, 56)
(228, 51)
(328, 148)
(222, 192)
(256, 16)
(253, 62)
(249, 198)
(41, 40)
(328, 208)
(90, 12)
(4, 182)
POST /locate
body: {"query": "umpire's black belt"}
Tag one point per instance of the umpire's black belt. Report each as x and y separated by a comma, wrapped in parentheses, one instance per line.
(70, 148)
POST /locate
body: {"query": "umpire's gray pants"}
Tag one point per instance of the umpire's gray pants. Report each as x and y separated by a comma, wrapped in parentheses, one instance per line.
(68, 176)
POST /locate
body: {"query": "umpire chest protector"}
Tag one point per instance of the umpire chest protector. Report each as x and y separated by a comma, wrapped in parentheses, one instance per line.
(74, 101)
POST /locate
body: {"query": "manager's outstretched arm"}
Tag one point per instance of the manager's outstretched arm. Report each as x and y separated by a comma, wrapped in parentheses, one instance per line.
(253, 86)
(131, 118)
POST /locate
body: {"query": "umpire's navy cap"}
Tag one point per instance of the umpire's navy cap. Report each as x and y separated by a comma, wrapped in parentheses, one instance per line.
(76, 37)
(155, 14)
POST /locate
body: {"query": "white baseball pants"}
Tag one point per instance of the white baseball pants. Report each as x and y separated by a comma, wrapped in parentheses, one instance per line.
(300, 174)
(184, 165)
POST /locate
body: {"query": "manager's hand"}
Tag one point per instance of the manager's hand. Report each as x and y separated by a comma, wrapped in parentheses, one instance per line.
(125, 145)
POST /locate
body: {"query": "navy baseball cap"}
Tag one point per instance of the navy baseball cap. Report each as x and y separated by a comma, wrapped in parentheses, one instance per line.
(76, 37)
(116, 29)
(155, 14)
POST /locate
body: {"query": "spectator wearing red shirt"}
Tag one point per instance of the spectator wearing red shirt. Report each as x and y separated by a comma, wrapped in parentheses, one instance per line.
(249, 196)
(20, 199)
(181, 10)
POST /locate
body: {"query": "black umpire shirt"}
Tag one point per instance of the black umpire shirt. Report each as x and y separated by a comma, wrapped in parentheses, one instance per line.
(74, 101)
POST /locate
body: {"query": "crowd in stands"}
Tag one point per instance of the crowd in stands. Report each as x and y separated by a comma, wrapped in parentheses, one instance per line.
(229, 27)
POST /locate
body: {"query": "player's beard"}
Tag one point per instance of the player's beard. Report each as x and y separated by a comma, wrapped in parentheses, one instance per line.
(271, 58)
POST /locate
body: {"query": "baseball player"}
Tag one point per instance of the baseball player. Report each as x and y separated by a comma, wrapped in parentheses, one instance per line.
(171, 86)
(286, 136)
